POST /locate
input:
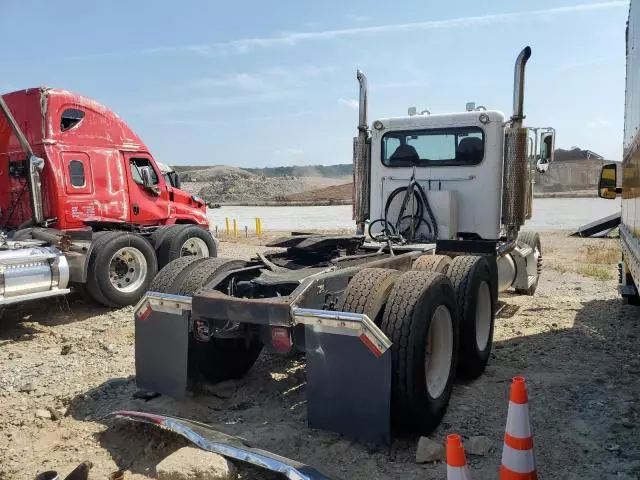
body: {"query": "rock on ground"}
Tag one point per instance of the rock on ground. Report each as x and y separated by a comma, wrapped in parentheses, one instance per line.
(429, 450)
(190, 463)
(479, 445)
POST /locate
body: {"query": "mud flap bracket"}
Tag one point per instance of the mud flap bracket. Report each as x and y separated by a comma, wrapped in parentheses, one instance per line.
(348, 374)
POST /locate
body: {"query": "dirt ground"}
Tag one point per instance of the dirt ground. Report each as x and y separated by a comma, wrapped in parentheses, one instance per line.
(575, 341)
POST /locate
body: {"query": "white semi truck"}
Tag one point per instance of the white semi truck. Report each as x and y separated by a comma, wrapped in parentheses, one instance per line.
(390, 316)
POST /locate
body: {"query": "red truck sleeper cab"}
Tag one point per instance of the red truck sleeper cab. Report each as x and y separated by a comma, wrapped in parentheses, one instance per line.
(92, 166)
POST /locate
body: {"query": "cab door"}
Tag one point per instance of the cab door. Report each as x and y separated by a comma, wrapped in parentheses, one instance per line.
(147, 205)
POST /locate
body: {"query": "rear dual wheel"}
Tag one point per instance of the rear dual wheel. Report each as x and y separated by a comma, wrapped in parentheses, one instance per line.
(175, 241)
(417, 311)
(218, 359)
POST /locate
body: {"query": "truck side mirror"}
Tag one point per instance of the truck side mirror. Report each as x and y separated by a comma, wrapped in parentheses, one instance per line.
(145, 173)
(176, 179)
(547, 145)
(608, 181)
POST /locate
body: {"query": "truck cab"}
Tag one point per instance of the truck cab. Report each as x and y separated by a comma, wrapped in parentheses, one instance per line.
(83, 203)
(95, 169)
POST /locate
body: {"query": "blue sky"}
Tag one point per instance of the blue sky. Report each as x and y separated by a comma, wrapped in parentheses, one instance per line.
(255, 83)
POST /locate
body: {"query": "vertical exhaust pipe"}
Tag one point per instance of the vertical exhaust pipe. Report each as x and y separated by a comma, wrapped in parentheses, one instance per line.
(518, 87)
(363, 104)
(515, 175)
(361, 160)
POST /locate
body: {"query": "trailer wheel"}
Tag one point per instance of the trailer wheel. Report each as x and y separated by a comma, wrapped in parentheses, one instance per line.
(218, 359)
(432, 263)
(186, 240)
(533, 240)
(165, 278)
(421, 320)
(472, 280)
(122, 269)
(368, 292)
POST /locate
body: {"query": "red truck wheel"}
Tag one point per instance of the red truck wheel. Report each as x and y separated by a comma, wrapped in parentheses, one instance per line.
(183, 241)
(121, 269)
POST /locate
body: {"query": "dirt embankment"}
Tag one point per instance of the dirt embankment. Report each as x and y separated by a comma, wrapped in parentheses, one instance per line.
(234, 186)
(67, 365)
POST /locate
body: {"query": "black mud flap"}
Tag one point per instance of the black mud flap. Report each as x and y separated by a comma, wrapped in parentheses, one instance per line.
(348, 377)
(162, 343)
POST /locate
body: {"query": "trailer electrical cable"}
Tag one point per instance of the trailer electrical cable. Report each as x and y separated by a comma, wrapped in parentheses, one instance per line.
(393, 232)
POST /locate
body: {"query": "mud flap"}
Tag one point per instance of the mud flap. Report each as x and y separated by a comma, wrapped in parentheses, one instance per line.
(348, 375)
(161, 343)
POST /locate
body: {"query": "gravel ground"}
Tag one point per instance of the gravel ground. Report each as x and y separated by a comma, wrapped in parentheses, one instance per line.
(66, 365)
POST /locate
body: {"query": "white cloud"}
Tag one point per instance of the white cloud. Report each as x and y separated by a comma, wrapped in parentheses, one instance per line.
(203, 102)
(290, 151)
(245, 45)
(356, 18)
(581, 64)
(400, 84)
(273, 78)
(349, 102)
(598, 122)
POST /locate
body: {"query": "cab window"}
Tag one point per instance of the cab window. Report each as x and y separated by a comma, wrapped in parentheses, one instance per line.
(135, 165)
(437, 147)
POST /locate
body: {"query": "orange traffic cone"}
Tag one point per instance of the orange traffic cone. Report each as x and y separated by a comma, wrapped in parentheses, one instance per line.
(518, 462)
(457, 468)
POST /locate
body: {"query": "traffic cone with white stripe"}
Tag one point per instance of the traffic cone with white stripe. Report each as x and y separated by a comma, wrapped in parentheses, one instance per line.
(518, 462)
(457, 468)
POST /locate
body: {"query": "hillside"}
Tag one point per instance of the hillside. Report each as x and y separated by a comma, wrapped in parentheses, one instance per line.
(326, 171)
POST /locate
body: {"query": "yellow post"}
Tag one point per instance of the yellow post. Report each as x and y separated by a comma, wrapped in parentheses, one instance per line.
(235, 228)
(258, 232)
(227, 223)
(260, 224)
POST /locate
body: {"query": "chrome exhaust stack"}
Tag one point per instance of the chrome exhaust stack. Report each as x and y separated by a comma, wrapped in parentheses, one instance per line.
(361, 160)
(515, 173)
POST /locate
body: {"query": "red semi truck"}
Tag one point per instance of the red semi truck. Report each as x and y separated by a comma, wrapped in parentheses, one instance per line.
(83, 203)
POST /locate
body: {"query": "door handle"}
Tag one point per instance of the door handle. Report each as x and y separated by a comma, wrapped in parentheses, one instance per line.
(136, 209)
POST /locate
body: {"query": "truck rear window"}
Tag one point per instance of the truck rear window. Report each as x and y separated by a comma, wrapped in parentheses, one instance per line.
(441, 147)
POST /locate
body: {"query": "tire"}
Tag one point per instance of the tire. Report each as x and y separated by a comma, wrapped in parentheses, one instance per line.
(432, 263)
(473, 282)
(98, 240)
(200, 273)
(368, 292)
(533, 240)
(421, 308)
(165, 278)
(128, 256)
(172, 243)
(218, 359)
(159, 233)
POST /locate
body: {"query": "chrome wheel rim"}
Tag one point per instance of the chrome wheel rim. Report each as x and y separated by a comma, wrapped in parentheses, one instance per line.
(439, 351)
(483, 316)
(194, 246)
(127, 269)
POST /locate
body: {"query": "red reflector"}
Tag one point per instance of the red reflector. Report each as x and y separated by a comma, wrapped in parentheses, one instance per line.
(281, 339)
(144, 314)
(370, 345)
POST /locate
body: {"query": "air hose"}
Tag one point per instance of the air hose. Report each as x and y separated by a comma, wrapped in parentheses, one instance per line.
(405, 228)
